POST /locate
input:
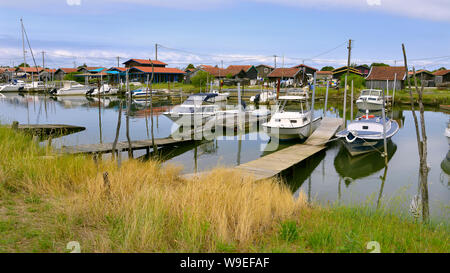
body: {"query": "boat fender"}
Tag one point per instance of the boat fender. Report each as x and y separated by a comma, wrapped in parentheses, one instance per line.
(352, 136)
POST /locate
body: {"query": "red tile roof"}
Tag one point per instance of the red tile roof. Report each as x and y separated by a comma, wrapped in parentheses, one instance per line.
(145, 61)
(324, 72)
(441, 72)
(215, 71)
(265, 65)
(284, 72)
(50, 70)
(304, 65)
(29, 69)
(167, 70)
(68, 70)
(380, 73)
(236, 69)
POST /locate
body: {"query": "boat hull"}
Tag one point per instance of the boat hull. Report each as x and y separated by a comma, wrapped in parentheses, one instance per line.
(291, 133)
(361, 146)
(371, 106)
(188, 119)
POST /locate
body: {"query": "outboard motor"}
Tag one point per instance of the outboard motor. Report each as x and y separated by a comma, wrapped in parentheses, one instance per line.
(52, 91)
(244, 105)
(257, 98)
(90, 91)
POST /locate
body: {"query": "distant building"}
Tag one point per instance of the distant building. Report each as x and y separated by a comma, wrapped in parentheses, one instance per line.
(425, 76)
(61, 72)
(160, 74)
(338, 72)
(242, 72)
(307, 69)
(364, 70)
(324, 75)
(144, 62)
(47, 74)
(263, 70)
(293, 75)
(442, 77)
(91, 69)
(382, 77)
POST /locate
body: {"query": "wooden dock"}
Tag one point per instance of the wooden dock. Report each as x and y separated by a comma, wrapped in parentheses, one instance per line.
(121, 146)
(275, 163)
(47, 130)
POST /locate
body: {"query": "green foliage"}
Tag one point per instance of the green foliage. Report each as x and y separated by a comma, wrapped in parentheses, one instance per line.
(288, 231)
(21, 65)
(190, 66)
(379, 64)
(229, 76)
(327, 68)
(72, 77)
(200, 78)
(358, 81)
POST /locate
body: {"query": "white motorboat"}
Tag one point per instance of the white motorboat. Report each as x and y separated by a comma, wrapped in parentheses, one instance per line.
(35, 86)
(105, 90)
(13, 86)
(370, 99)
(290, 124)
(192, 111)
(263, 97)
(220, 96)
(72, 88)
(143, 92)
(365, 134)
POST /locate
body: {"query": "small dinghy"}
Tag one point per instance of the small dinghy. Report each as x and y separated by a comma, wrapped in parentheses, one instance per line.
(365, 134)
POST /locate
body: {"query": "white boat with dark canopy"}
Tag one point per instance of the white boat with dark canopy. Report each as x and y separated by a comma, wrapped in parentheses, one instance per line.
(370, 99)
(192, 111)
(366, 134)
(72, 88)
(291, 124)
(14, 86)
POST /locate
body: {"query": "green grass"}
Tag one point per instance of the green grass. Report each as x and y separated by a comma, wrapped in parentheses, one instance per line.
(46, 203)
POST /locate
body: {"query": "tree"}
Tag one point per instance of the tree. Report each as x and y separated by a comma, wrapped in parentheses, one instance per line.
(379, 64)
(190, 66)
(21, 65)
(327, 68)
(200, 78)
(72, 77)
(358, 81)
(229, 76)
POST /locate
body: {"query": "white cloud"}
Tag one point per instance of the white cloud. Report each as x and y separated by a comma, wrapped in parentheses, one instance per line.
(374, 2)
(73, 2)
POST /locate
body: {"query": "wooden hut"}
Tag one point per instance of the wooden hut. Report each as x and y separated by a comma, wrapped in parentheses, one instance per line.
(382, 77)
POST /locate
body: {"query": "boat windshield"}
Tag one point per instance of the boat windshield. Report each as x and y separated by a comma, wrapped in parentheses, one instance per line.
(365, 93)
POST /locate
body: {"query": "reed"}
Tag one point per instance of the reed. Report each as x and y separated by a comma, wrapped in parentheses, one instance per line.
(48, 200)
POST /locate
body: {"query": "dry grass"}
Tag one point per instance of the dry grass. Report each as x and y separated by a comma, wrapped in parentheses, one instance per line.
(45, 202)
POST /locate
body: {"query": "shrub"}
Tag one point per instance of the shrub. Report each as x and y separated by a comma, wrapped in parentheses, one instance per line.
(358, 81)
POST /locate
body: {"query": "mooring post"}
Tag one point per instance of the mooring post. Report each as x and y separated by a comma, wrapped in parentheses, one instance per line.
(326, 101)
(15, 125)
(311, 113)
(351, 103)
(384, 132)
(345, 102)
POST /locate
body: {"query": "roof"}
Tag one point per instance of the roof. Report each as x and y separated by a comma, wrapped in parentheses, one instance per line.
(344, 68)
(145, 61)
(383, 73)
(167, 70)
(304, 65)
(29, 69)
(68, 70)
(284, 72)
(50, 70)
(420, 71)
(122, 69)
(265, 66)
(324, 72)
(236, 69)
(441, 72)
(215, 71)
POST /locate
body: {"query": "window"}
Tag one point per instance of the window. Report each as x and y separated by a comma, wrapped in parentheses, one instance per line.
(293, 121)
(365, 127)
(305, 119)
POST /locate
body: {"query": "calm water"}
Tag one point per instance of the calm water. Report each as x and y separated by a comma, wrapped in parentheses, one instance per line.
(329, 176)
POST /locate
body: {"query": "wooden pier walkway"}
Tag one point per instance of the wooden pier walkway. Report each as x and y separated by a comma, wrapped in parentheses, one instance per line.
(273, 164)
(47, 130)
(121, 146)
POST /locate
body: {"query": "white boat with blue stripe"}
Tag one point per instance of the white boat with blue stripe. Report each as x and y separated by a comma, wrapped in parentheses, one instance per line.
(365, 134)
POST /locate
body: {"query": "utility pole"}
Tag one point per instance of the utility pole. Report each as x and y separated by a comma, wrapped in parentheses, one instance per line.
(118, 61)
(43, 59)
(156, 51)
(349, 54)
(74, 64)
(43, 69)
(275, 60)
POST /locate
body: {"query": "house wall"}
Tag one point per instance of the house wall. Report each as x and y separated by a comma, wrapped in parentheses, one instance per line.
(252, 73)
(375, 84)
(263, 71)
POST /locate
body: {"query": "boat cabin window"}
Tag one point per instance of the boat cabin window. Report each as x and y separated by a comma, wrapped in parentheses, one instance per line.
(365, 93)
(277, 120)
(293, 121)
(365, 127)
(305, 119)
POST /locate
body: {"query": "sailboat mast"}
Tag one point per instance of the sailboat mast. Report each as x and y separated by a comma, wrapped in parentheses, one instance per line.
(23, 42)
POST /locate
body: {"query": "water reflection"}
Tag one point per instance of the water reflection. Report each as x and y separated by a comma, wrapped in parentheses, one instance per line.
(351, 168)
(445, 167)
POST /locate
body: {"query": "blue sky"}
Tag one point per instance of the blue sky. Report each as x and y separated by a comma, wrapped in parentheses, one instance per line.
(237, 32)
